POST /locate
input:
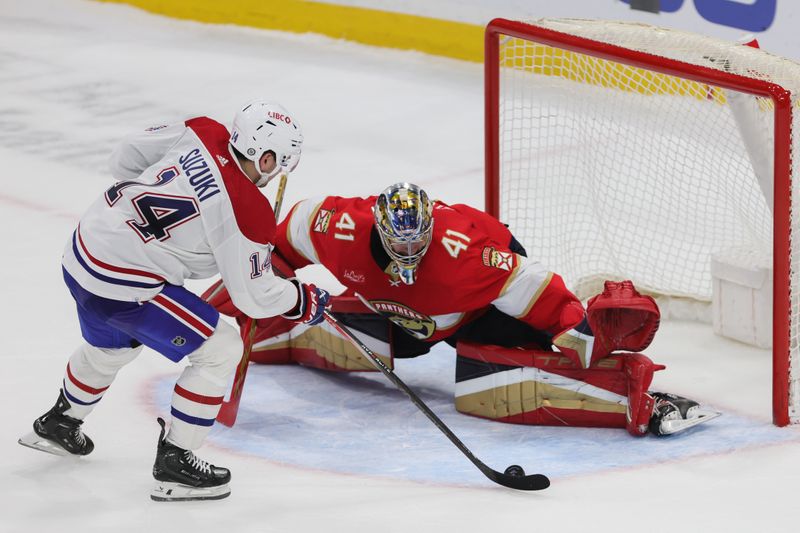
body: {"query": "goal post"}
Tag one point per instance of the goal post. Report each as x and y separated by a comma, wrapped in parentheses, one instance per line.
(613, 152)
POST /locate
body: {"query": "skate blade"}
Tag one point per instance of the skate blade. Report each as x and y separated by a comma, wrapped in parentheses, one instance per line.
(32, 440)
(671, 427)
(164, 491)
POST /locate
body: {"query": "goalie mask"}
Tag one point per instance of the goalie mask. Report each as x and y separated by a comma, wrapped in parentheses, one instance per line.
(261, 127)
(404, 218)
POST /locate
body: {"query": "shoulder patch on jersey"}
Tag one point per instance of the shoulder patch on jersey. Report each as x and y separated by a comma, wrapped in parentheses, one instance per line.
(322, 220)
(496, 259)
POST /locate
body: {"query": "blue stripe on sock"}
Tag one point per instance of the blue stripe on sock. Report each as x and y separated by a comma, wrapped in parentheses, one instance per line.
(192, 419)
(73, 399)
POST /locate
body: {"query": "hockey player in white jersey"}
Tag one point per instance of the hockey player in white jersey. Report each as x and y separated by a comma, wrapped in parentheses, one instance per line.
(187, 206)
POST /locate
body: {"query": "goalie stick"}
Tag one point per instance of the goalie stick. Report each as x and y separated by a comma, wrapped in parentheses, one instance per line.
(227, 414)
(230, 408)
(521, 482)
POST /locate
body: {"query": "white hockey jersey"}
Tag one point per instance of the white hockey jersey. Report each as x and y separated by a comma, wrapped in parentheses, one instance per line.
(182, 210)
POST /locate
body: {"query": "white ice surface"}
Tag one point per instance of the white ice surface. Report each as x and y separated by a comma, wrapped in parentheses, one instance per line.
(313, 451)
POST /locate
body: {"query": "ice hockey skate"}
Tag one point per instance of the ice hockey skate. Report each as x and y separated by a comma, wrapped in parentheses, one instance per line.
(181, 476)
(674, 414)
(59, 434)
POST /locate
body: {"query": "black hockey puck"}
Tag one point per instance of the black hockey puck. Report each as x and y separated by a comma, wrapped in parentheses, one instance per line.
(515, 471)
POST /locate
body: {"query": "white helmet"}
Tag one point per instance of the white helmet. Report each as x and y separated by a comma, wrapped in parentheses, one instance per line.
(404, 218)
(263, 127)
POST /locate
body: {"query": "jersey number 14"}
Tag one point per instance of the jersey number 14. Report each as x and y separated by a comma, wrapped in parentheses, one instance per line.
(158, 213)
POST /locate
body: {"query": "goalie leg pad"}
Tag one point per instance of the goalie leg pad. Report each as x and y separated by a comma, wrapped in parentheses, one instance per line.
(279, 341)
(639, 371)
(271, 340)
(545, 388)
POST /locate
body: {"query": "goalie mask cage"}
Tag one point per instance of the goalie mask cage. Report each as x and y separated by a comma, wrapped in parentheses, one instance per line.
(624, 151)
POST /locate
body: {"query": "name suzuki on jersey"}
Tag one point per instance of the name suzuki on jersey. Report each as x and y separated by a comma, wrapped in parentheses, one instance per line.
(200, 177)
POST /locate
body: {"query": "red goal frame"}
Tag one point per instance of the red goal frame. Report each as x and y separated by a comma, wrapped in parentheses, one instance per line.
(781, 98)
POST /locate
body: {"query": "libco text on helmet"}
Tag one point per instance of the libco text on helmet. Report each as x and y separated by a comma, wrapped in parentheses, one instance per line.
(279, 116)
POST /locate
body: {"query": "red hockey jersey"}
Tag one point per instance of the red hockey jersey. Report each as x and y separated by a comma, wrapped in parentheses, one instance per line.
(467, 267)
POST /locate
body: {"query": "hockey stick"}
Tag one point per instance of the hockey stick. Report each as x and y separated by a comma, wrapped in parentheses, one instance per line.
(279, 196)
(519, 482)
(229, 410)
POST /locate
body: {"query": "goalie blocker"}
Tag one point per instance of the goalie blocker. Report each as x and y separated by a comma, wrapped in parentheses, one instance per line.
(598, 378)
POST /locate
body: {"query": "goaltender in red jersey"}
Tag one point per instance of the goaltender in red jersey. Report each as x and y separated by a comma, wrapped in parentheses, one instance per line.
(423, 272)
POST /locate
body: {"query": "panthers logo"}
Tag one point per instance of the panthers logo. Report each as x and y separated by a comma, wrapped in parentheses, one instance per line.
(415, 324)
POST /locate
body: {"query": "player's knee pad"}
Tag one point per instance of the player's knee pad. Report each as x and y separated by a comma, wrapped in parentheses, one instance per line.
(218, 356)
(104, 361)
(546, 388)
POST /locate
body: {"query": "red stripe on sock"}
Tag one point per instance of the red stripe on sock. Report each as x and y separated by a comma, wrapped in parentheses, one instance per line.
(199, 398)
(83, 386)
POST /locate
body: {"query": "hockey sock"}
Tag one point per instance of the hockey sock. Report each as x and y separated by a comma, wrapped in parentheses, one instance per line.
(89, 373)
(201, 387)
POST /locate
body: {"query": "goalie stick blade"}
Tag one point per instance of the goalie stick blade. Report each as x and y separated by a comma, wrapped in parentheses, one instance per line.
(227, 413)
(532, 482)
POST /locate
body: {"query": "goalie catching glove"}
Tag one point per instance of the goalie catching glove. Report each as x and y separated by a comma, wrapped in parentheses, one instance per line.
(618, 319)
(311, 303)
